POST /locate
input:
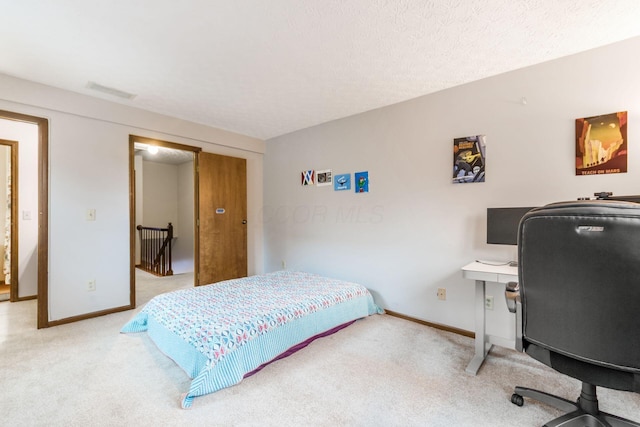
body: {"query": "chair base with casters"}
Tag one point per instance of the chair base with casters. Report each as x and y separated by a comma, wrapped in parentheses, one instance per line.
(582, 413)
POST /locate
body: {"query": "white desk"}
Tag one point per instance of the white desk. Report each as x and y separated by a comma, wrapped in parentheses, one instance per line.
(483, 273)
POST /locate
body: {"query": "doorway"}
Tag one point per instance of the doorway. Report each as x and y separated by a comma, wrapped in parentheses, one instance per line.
(39, 214)
(219, 214)
(161, 176)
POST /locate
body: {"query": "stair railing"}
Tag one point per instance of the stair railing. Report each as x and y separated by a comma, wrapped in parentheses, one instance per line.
(155, 249)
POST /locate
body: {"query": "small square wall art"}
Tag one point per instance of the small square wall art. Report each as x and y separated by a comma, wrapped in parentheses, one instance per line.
(323, 177)
(361, 182)
(342, 182)
(307, 177)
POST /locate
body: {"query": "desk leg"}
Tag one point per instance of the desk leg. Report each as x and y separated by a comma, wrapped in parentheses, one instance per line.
(480, 343)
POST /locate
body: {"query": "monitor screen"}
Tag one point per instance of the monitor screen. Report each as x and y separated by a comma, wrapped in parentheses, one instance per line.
(502, 225)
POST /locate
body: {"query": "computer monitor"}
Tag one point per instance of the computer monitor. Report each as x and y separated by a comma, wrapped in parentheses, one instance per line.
(502, 224)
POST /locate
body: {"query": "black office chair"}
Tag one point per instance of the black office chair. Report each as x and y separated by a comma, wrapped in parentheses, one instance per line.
(577, 302)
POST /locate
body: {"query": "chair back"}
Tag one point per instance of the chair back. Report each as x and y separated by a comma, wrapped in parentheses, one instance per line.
(579, 274)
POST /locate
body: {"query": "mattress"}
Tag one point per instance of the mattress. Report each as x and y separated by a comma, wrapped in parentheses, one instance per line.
(221, 333)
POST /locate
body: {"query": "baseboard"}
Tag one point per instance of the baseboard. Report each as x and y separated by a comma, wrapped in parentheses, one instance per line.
(88, 316)
(431, 324)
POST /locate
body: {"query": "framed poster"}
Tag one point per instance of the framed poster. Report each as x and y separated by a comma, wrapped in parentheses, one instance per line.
(469, 159)
(601, 144)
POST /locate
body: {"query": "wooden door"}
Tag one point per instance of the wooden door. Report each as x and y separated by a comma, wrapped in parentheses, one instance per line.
(222, 215)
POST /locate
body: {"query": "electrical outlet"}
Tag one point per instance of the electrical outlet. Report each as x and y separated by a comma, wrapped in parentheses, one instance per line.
(442, 294)
(91, 285)
(488, 302)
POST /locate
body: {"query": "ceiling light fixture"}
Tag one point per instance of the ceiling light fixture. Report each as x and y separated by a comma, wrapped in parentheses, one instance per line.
(110, 91)
(140, 146)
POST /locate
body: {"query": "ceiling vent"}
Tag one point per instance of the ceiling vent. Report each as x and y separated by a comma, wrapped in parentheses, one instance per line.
(110, 90)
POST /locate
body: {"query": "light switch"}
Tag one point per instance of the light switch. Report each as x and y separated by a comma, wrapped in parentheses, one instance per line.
(91, 214)
(26, 215)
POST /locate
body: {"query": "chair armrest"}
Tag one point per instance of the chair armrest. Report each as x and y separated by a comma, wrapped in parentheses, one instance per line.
(512, 295)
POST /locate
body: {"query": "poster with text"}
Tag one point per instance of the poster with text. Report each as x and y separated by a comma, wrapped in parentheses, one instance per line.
(469, 159)
(361, 182)
(601, 144)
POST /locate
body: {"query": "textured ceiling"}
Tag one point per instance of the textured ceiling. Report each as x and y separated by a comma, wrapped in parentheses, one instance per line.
(264, 68)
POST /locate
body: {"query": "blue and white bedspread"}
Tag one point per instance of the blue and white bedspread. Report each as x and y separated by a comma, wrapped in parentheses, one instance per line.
(220, 332)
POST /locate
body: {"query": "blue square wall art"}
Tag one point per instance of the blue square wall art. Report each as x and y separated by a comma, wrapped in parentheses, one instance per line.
(342, 182)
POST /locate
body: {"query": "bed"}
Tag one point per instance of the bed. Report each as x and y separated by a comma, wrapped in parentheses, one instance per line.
(223, 332)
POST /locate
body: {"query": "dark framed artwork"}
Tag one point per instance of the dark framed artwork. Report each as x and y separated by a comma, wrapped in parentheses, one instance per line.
(469, 159)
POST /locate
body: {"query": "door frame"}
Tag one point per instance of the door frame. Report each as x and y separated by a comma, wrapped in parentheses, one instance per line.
(43, 211)
(132, 206)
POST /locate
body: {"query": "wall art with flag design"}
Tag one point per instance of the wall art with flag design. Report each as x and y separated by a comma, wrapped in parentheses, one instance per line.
(307, 177)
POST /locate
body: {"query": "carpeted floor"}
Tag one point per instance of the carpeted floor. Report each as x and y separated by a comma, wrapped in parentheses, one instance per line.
(5, 292)
(380, 371)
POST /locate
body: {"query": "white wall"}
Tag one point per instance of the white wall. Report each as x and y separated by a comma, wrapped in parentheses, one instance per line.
(27, 136)
(415, 229)
(89, 168)
(159, 194)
